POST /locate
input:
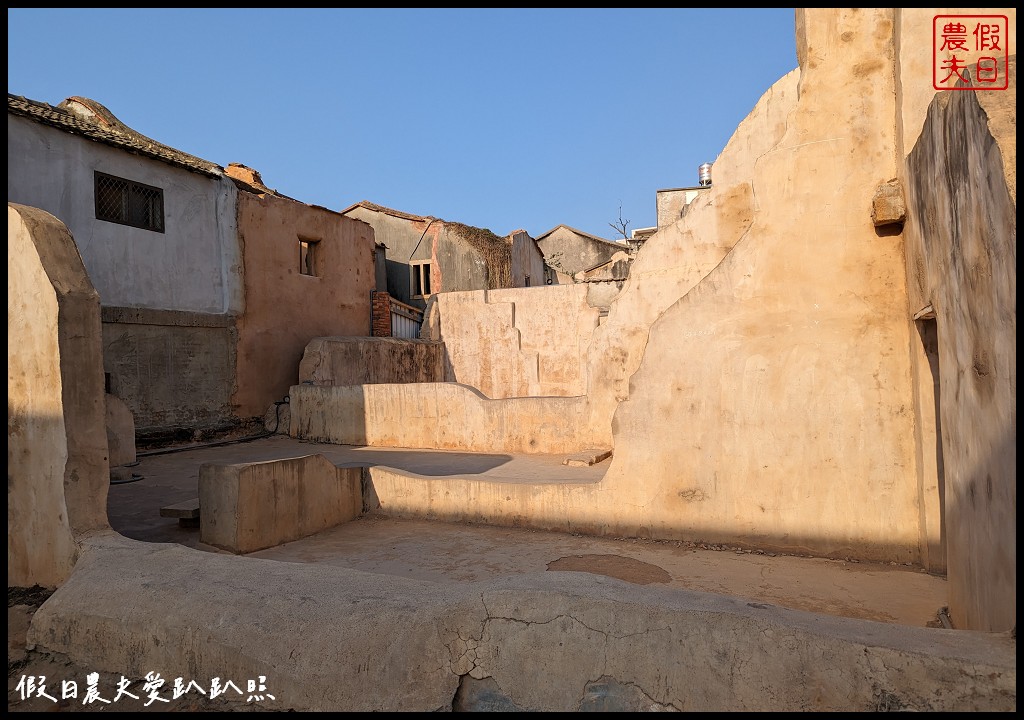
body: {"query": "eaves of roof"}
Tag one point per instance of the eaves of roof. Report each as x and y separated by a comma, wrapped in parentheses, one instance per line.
(61, 119)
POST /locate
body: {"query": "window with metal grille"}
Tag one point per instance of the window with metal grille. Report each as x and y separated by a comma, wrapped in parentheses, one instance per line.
(129, 203)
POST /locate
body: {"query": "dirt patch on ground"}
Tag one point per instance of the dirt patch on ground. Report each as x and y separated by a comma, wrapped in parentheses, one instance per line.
(616, 566)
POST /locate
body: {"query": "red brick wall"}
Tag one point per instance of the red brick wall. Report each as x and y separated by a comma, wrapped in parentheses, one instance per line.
(381, 314)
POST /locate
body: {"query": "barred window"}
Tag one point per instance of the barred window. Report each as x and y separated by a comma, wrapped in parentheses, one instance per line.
(129, 203)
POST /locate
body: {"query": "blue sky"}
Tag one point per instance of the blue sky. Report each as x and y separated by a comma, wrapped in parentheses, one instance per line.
(504, 119)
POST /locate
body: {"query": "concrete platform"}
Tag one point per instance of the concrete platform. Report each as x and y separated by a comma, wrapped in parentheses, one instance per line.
(386, 614)
(449, 552)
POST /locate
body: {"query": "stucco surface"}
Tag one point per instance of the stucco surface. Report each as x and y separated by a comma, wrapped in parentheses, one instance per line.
(58, 471)
(194, 265)
(434, 415)
(284, 309)
(527, 342)
(40, 547)
(677, 257)
(961, 261)
(569, 252)
(773, 397)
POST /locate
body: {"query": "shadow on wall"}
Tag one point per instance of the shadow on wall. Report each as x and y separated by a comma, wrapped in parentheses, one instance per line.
(587, 509)
(984, 595)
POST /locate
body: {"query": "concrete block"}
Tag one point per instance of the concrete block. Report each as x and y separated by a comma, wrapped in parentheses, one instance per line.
(252, 506)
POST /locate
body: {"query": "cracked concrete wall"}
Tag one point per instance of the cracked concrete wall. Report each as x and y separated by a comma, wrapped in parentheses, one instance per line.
(334, 639)
(57, 462)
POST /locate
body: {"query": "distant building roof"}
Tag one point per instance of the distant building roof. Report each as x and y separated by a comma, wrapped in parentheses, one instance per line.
(386, 210)
(91, 120)
(588, 236)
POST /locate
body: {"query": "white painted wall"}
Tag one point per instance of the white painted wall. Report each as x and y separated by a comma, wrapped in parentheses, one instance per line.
(194, 265)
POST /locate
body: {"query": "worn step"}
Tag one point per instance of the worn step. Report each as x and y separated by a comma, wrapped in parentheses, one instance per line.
(587, 458)
(187, 512)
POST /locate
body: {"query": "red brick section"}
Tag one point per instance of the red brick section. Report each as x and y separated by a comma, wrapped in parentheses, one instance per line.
(381, 310)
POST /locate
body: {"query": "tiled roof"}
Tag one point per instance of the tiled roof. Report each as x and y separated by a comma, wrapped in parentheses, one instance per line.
(387, 211)
(588, 236)
(106, 129)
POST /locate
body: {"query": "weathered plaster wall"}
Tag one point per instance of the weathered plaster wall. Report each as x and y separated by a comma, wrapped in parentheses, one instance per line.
(913, 47)
(367, 361)
(57, 469)
(569, 253)
(459, 265)
(527, 261)
(677, 257)
(406, 240)
(961, 255)
(172, 369)
(446, 416)
(773, 404)
(671, 203)
(284, 309)
(193, 266)
(518, 342)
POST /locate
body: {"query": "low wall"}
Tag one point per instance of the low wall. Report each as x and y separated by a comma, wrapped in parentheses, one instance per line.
(443, 416)
(57, 470)
(368, 361)
(518, 342)
(252, 506)
(329, 638)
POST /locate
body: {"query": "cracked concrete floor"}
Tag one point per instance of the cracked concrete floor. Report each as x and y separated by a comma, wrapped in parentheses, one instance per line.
(453, 553)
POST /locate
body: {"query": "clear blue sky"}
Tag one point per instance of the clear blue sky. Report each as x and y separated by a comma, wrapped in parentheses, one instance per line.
(504, 119)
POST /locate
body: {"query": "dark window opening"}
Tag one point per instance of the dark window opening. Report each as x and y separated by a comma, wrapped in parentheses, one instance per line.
(129, 203)
(420, 278)
(307, 257)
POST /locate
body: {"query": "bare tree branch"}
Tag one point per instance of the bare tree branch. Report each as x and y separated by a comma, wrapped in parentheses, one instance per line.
(621, 225)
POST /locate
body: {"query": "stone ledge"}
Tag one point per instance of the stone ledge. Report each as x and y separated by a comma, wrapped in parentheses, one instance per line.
(587, 458)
